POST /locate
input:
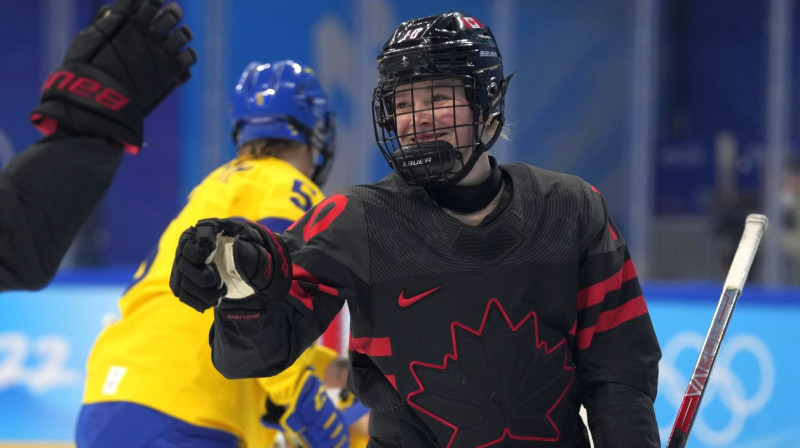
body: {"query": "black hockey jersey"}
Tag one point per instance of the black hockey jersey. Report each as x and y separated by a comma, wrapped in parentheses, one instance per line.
(46, 194)
(468, 336)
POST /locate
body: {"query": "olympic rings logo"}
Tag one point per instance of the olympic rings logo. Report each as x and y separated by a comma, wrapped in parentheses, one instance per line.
(724, 384)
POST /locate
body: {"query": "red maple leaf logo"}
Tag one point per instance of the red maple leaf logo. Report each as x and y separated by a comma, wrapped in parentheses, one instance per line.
(501, 382)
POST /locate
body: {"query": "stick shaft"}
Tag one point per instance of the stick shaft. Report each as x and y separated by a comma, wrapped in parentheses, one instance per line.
(734, 283)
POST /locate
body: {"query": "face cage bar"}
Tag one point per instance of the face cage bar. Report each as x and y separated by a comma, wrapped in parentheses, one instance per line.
(389, 141)
(323, 141)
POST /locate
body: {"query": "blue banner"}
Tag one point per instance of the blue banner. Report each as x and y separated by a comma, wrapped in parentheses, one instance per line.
(750, 399)
(45, 338)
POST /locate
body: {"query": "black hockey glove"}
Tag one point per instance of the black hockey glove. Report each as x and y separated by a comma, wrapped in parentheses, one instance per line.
(229, 258)
(116, 71)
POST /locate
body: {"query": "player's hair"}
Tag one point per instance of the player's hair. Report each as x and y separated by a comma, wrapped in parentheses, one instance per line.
(266, 147)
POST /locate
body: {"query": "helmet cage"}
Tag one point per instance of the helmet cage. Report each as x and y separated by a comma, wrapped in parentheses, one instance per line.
(418, 162)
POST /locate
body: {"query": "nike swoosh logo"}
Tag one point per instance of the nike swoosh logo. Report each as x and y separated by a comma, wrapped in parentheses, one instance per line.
(408, 301)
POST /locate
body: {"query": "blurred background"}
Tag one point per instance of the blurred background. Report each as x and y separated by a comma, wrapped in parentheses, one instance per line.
(683, 114)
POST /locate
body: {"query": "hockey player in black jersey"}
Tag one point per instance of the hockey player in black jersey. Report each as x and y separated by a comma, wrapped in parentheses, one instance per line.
(115, 72)
(488, 302)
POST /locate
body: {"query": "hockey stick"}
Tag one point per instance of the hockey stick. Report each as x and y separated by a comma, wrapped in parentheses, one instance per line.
(754, 228)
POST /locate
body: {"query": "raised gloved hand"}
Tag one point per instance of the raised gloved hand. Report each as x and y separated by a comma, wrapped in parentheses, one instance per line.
(116, 71)
(311, 420)
(229, 258)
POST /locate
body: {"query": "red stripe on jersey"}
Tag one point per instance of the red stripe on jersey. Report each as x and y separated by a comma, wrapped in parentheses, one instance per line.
(300, 294)
(611, 319)
(613, 233)
(45, 125)
(574, 328)
(329, 290)
(301, 275)
(371, 346)
(610, 229)
(584, 338)
(392, 380)
(596, 293)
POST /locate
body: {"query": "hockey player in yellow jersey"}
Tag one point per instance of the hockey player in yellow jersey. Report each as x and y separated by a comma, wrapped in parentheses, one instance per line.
(150, 380)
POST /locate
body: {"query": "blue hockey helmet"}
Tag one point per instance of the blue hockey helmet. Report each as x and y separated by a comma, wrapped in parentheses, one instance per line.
(284, 100)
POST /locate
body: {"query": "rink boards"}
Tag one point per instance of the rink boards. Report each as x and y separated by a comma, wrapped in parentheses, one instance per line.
(750, 401)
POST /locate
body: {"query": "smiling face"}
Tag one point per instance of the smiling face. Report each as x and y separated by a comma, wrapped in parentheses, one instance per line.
(431, 110)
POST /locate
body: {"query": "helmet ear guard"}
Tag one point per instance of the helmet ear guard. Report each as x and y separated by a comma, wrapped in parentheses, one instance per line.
(496, 94)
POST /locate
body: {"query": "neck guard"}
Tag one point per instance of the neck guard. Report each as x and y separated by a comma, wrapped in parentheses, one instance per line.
(471, 198)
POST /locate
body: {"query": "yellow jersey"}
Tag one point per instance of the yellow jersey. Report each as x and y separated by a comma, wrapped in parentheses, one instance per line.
(157, 354)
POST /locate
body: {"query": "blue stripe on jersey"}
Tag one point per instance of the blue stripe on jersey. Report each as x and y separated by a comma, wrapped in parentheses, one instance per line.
(134, 426)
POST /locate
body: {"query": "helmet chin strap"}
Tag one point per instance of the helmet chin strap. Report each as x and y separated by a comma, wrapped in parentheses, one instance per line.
(468, 198)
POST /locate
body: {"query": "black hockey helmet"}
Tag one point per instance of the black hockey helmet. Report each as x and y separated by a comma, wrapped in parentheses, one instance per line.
(451, 46)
